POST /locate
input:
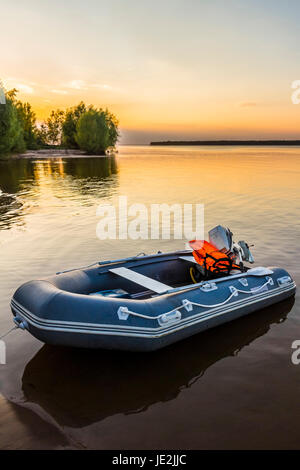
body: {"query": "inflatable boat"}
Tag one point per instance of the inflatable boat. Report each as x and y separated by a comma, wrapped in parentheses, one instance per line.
(142, 303)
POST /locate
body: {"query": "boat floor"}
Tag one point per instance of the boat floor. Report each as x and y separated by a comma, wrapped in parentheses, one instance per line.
(143, 280)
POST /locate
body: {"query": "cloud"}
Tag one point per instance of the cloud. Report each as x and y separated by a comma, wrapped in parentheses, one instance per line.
(77, 85)
(59, 92)
(248, 104)
(12, 82)
(102, 86)
(82, 85)
(24, 88)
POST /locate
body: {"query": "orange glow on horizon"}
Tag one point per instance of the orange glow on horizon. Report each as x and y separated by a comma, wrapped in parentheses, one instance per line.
(205, 75)
(199, 119)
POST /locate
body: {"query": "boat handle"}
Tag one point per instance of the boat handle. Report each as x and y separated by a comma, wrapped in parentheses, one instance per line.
(20, 322)
(167, 318)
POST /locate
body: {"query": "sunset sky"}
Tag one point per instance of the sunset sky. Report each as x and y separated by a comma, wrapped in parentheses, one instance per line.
(169, 69)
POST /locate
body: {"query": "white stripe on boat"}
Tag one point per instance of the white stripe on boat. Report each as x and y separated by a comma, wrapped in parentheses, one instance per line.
(140, 279)
(118, 330)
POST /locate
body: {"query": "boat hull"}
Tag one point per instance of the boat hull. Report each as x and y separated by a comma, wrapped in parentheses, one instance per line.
(139, 341)
(60, 317)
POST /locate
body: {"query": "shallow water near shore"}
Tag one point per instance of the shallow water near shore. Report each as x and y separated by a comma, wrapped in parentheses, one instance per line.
(231, 387)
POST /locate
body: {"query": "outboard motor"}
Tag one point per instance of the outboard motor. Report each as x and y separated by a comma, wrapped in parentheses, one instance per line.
(221, 238)
(246, 253)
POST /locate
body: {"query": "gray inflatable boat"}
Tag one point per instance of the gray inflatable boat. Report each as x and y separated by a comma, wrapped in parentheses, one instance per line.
(142, 303)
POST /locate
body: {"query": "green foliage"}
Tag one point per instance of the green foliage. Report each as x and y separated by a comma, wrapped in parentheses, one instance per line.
(102, 133)
(112, 123)
(90, 129)
(96, 130)
(49, 133)
(41, 136)
(92, 132)
(11, 130)
(27, 118)
(54, 127)
(69, 125)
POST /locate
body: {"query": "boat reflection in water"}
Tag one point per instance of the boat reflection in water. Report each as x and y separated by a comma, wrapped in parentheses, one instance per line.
(80, 387)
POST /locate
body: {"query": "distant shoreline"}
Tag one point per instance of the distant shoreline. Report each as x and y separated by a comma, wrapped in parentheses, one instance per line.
(228, 142)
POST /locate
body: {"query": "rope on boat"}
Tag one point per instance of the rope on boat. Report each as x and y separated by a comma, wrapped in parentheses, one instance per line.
(75, 269)
(234, 292)
(9, 331)
(103, 263)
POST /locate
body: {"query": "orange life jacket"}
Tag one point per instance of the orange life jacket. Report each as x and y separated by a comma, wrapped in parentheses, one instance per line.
(210, 259)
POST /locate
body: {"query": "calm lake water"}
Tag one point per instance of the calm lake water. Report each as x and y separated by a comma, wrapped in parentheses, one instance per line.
(231, 387)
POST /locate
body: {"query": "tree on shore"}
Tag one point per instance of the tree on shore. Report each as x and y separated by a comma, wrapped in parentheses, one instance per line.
(90, 129)
(11, 130)
(112, 123)
(54, 127)
(80, 127)
(28, 120)
(92, 132)
(41, 135)
(69, 130)
(96, 131)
